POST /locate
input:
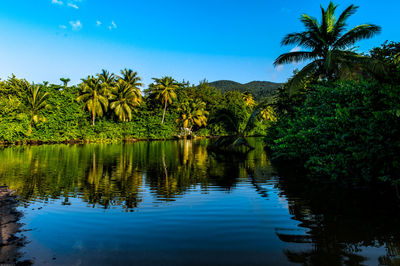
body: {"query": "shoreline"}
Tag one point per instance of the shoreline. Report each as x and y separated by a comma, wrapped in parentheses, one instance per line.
(9, 227)
(105, 141)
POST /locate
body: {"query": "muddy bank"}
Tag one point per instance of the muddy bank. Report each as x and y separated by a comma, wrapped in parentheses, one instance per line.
(9, 226)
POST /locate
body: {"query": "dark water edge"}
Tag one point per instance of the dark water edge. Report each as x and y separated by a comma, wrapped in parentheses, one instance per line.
(4, 144)
(176, 203)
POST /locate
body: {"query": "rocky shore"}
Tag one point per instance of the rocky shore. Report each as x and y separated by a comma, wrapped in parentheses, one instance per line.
(9, 226)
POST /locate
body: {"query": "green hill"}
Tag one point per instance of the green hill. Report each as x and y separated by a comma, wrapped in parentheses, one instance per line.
(259, 89)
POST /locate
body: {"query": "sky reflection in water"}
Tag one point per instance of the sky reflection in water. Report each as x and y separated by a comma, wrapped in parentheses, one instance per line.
(175, 203)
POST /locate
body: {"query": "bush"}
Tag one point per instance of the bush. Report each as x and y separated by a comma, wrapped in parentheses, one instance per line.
(346, 131)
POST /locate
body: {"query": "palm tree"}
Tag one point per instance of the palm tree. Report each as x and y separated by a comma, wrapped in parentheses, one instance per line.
(131, 77)
(238, 134)
(37, 101)
(330, 45)
(164, 90)
(94, 94)
(248, 99)
(268, 114)
(65, 81)
(107, 78)
(124, 99)
(192, 113)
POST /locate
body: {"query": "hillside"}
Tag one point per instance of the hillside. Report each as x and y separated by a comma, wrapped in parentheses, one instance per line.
(259, 89)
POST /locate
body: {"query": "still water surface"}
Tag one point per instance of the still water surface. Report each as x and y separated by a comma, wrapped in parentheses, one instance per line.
(175, 203)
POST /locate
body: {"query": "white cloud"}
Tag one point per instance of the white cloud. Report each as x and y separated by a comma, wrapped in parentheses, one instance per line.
(279, 68)
(57, 2)
(63, 27)
(73, 5)
(76, 25)
(112, 26)
(295, 49)
(98, 22)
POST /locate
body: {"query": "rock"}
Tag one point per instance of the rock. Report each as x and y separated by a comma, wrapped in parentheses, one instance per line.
(9, 217)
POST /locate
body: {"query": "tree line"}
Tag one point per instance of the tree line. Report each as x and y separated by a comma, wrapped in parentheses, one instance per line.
(110, 107)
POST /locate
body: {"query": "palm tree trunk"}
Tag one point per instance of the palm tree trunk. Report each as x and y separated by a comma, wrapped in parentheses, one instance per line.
(163, 116)
(30, 128)
(93, 113)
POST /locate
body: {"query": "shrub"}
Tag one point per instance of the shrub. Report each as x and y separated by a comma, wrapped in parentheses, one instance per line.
(346, 131)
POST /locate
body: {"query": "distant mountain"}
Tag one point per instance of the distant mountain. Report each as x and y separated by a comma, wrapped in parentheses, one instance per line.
(259, 89)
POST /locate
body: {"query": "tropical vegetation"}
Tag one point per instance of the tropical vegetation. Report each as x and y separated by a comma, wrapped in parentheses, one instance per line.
(329, 46)
(338, 117)
(110, 107)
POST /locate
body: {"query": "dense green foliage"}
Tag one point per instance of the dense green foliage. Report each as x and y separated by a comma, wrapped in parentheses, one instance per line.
(343, 121)
(347, 131)
(108, 107)
(389, 54)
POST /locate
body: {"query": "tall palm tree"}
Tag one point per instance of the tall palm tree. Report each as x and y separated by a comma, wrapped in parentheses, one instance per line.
(94, 94)
(192, 113)
(131, 77)
(107, 78)
(124, 99)
(37, 101)
(248, 99)
(329, 45)
(164, 90)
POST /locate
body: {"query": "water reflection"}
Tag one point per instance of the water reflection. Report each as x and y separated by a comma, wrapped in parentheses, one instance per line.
(321, 224)
(109, 175)
(345, 225)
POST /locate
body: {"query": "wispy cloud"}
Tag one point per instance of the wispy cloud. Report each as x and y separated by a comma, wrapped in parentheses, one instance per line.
(279, 68)
(76, 25)
(112, 26)
(98, 23)
(63, 27)
(70, 4)
(57, 2)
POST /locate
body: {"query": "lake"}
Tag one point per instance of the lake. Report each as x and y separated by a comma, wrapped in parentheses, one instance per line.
(176, 203)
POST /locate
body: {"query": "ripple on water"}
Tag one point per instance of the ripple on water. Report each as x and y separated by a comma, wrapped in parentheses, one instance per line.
(171, 203)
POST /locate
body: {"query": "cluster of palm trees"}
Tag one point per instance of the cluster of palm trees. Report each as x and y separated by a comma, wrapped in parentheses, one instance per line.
(122, 95)
(106, 91)
(192, 112)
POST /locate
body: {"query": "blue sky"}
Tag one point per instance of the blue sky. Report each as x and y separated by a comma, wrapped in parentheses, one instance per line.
(191, 40)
